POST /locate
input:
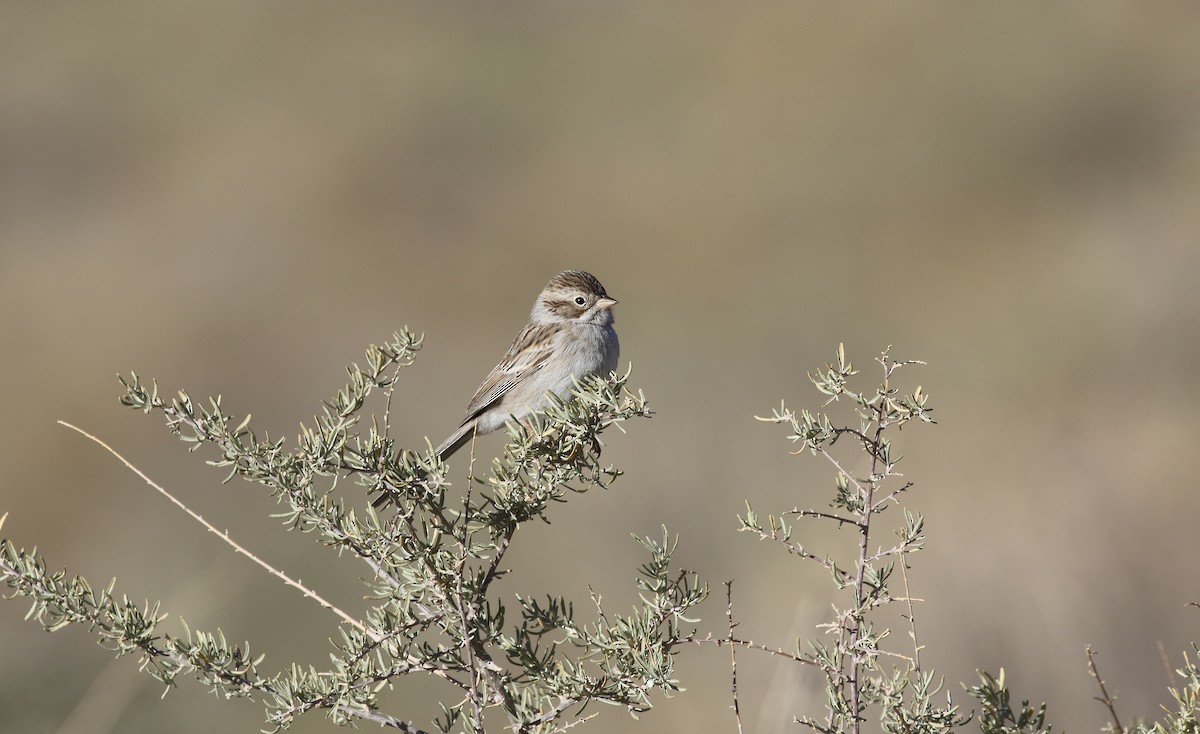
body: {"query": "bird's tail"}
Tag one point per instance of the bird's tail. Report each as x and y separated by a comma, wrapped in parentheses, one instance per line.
(456, 441)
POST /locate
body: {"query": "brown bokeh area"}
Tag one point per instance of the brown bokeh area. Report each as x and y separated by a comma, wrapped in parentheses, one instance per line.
(237, 198)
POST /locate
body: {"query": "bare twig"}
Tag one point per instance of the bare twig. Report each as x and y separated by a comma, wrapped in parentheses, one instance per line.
(912, 619)
(230, 541)
(857, 485)
(383, 719)
(794, 548)
(379, 718)
(468, 635)
(839, 519)
(597, 600)
(1109, 701)
(576, 722)
(891, 496)
(493, 570)
(550, 715)
(811, 723)
(387, 407)
(868, 504)
(749, 645)
(737, 710)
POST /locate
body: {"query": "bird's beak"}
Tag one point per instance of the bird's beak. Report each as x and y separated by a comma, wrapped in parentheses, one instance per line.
(607, 302)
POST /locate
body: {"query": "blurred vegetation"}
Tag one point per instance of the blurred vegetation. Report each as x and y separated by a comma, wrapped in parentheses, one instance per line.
(240, 195)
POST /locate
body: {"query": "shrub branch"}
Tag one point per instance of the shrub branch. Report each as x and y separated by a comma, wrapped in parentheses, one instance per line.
(436, 559)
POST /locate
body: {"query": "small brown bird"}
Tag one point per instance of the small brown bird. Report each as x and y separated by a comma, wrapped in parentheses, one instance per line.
(569, 335)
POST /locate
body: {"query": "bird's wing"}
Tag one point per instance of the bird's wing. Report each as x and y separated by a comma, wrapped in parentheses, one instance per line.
(528, 353)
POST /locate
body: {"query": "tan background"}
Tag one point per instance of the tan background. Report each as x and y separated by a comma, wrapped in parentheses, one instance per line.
(238, 197)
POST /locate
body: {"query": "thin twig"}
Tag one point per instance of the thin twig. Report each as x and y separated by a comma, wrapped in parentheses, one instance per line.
(308, 704)
(479, 661)
(387, 406)
(891, 496)
(912, 619)
(383, 719)
(868, 503)
(839, 519)
(381, 572)
(811, 723)
(547, 716)
(499, 549)
(232, 543)
(1109, 701)
(896, 655)
(501, 693)
(230, 447)
(793, 548)
(737, 710)
(468, 637)
(837, 433)
(576, 722)
(880, 552)
(749, 645)
(368, 715)
(848, 475)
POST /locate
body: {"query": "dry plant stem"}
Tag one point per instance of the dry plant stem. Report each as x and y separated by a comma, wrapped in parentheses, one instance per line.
(550, 715)
(912, 619)
(891, 496)
(868, 498)
(447, 597)
(230, 541)
(853, 656)
(576, 722)
(1109, 701)
(502, 544)
(387, 407)
(737, 711)
(371, 559)
(750, 645)
(827, 515)
(837, 465)
(468, 640)
(384, 720)
(479, 661)
(797, 549)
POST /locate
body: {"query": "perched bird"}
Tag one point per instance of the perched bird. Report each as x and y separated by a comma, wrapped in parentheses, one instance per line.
(569, 335)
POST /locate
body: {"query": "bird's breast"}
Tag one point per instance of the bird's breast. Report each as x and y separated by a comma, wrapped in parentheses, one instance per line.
(585, 349)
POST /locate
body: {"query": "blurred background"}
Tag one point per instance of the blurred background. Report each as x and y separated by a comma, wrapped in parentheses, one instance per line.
(237, 198)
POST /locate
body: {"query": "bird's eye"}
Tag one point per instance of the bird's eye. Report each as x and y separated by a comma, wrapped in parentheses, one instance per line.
(580, 301)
